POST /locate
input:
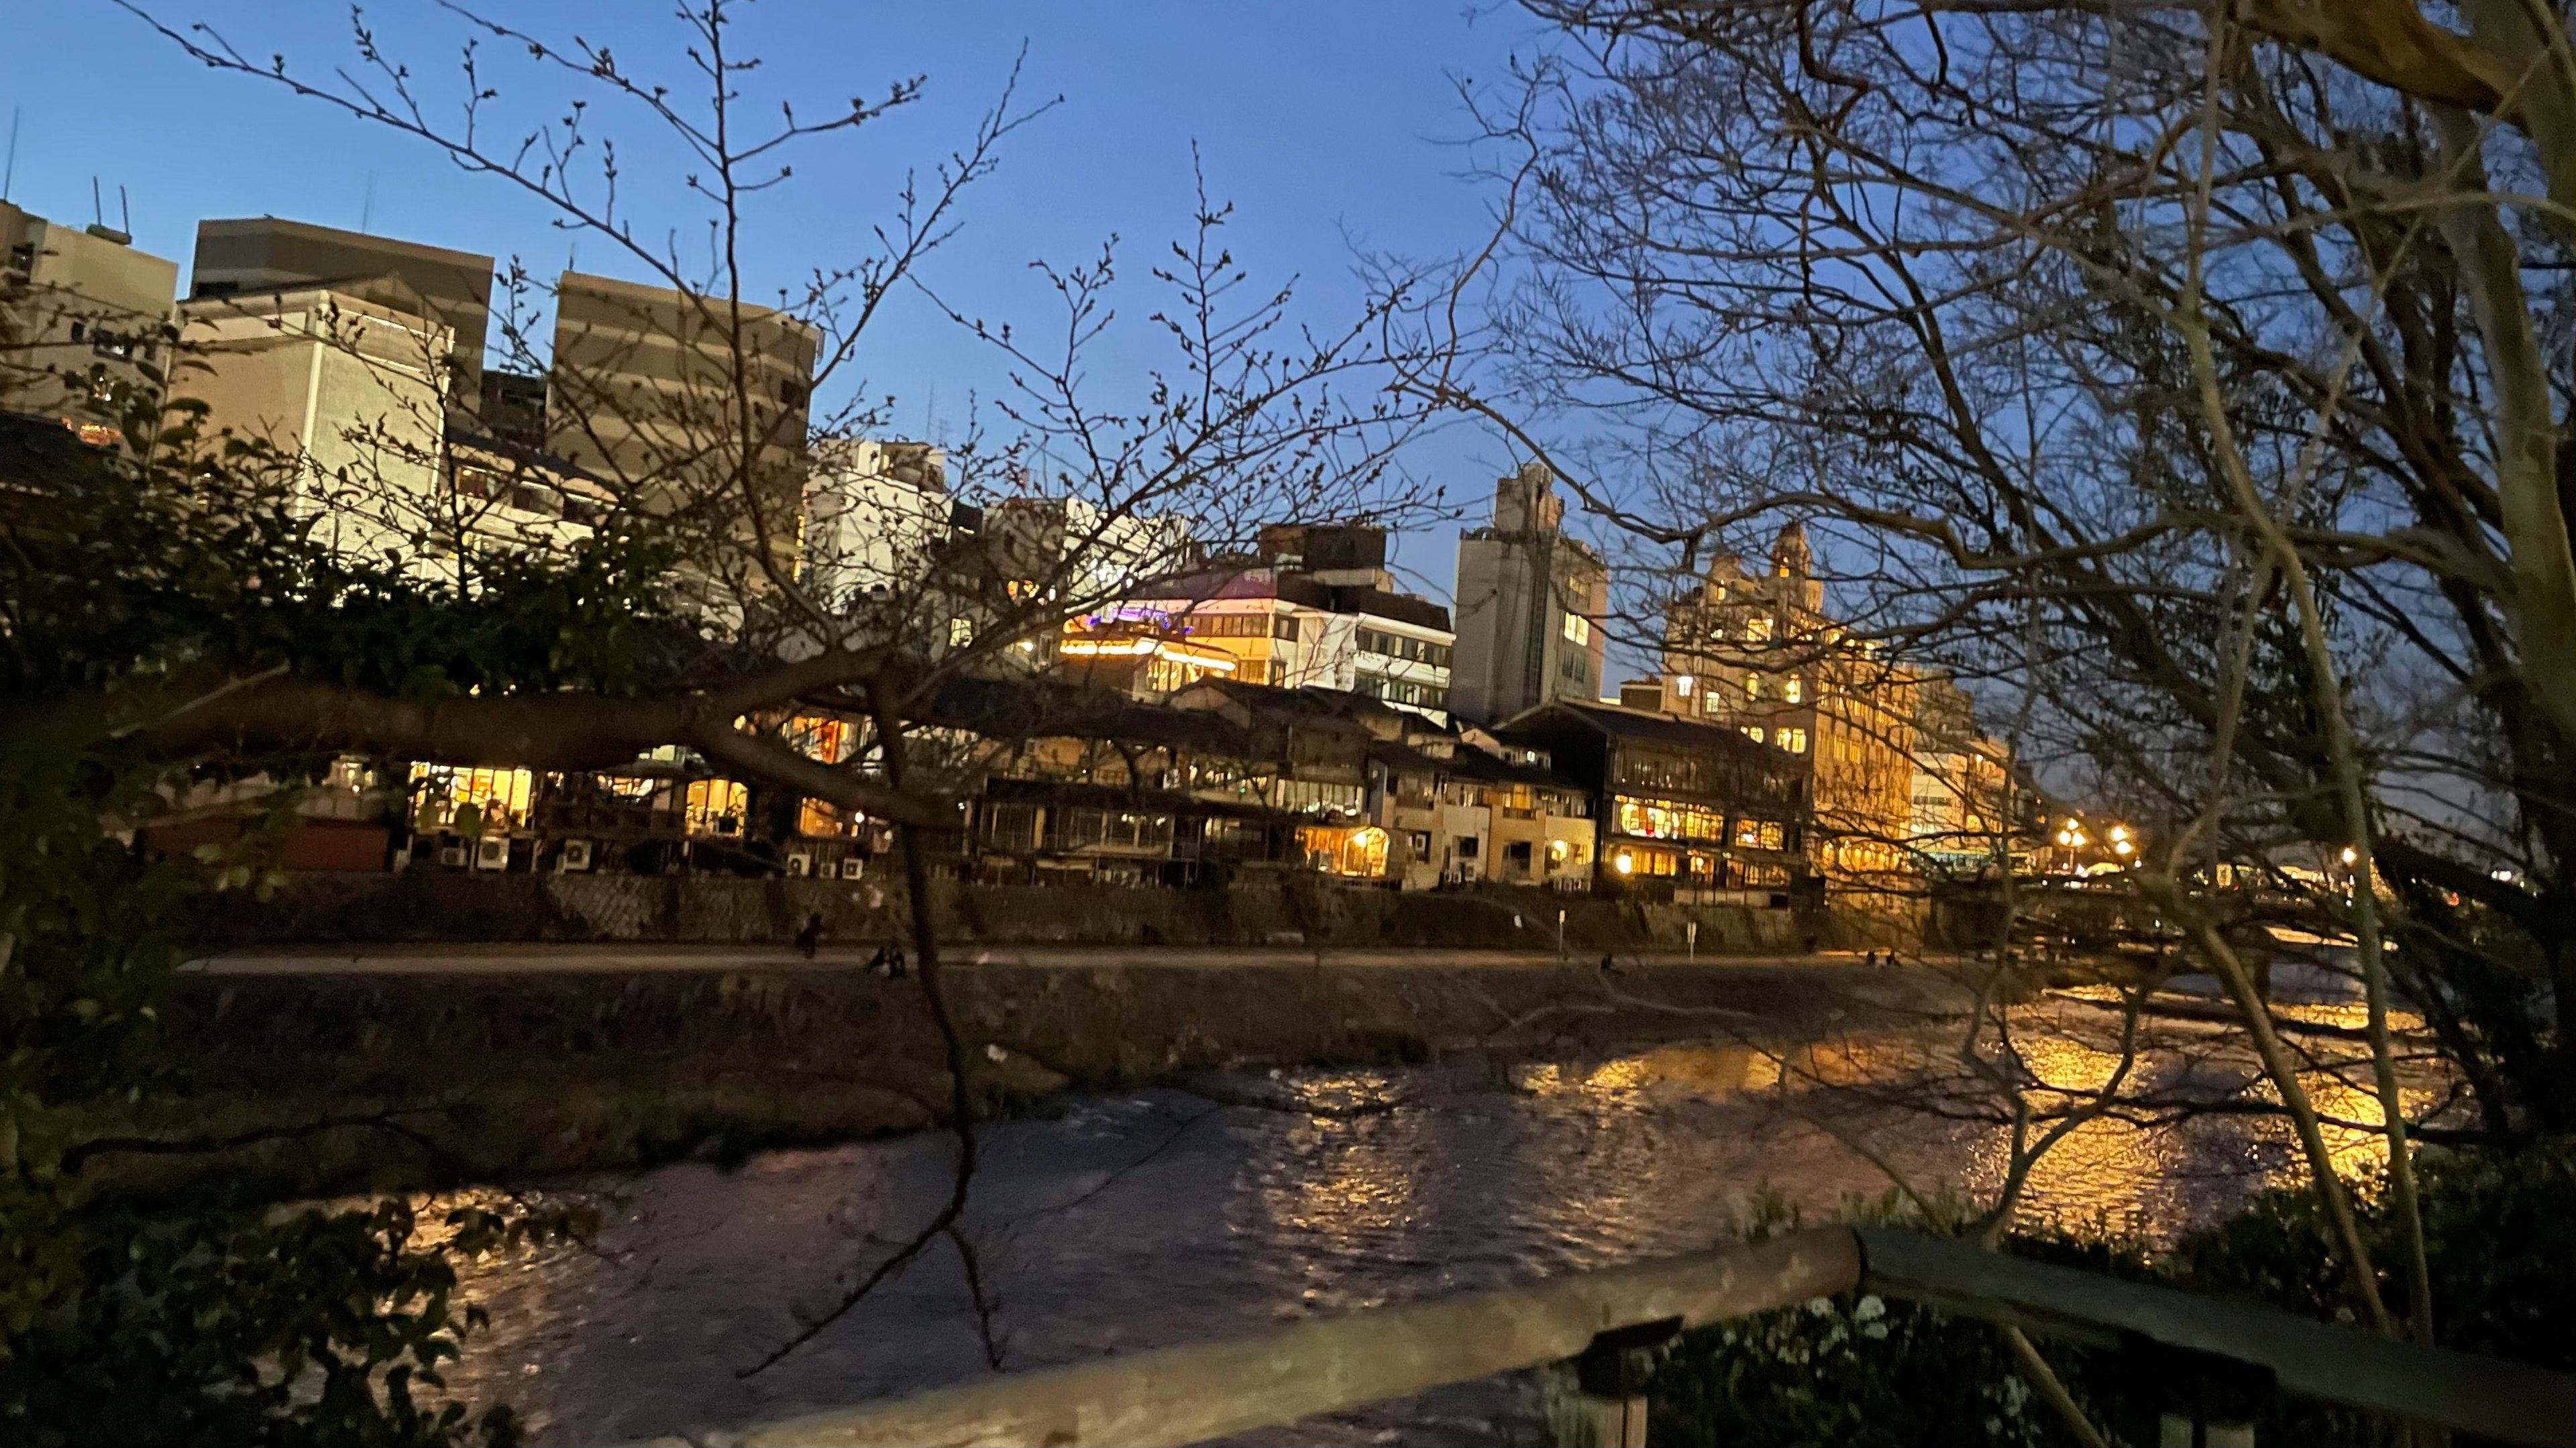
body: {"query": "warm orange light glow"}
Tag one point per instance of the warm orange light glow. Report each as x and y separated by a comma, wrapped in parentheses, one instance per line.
(1212, 659)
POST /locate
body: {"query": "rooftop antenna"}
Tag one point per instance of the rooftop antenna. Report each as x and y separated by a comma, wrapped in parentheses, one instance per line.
(97, 216)
(124, 212)
(10, 177)
(367, 211)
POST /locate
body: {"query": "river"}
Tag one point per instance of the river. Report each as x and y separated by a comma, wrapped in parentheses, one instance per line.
(1115, 1223)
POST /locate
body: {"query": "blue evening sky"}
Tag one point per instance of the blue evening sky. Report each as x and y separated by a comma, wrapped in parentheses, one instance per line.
(1330, 124)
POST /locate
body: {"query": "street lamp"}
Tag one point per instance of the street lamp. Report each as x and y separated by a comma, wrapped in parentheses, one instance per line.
(1625, 864)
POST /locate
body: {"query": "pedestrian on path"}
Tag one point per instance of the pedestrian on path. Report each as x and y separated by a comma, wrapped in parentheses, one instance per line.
(810, 939)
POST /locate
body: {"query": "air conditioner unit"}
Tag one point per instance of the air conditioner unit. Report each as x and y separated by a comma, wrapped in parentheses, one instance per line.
(492, 852)
(853, 867)
(452, 856)
(800, 864)
(575, 856)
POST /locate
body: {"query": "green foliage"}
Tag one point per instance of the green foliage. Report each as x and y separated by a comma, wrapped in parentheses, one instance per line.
(2498, 1234)
(1852, 1369)
(205, 1318)
(202, 1320)
(197, 553)
(1857, 1369)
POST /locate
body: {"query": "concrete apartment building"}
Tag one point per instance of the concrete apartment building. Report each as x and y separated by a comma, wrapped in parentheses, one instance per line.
(642, 387)
(364, 355)
(1530, 602)
(353, 385)
(876, 514)
(269, 254)
(84, 317)
(638, 398)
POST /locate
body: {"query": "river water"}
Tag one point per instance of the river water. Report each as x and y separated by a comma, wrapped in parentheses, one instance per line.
(1117, 1223)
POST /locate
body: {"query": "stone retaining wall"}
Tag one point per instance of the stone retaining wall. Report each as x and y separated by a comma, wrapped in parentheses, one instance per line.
(668, 908)
(335, 1082)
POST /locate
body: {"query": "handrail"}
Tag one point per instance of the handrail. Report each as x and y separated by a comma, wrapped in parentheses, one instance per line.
(1182, 1395)
(2462, 1391)
(1189, 1394)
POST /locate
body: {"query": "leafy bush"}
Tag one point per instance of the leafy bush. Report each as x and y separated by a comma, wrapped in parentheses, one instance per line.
(204, 1320)
(1860, 1370)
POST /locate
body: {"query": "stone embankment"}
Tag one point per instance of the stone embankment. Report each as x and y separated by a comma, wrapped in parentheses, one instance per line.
(326, 1082)
(1299, 909)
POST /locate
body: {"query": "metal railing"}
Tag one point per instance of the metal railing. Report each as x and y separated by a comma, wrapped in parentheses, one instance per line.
(1193, 1393)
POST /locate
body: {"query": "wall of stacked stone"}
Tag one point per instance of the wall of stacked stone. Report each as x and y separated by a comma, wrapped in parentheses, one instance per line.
(385, 909)
(346, 1082)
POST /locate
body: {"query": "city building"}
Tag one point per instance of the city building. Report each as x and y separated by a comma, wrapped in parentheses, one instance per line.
(1034, 560)
(643, 390)
(1316, 608)
(1752, 649)
(349, 385)
(1457, 814)
(1963, 808)
(1530, 602)
(1696, 813)
(876, 515)
(268, 254)
(84, 318)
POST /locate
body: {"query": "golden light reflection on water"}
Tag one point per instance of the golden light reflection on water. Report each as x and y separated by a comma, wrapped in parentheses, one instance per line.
(2342, 1091)
(2109, 1168)
(2104, 1169)
(1705, 1071)
(1347, 1181)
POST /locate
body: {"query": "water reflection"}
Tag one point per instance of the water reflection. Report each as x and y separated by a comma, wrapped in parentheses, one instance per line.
(1160, 1217)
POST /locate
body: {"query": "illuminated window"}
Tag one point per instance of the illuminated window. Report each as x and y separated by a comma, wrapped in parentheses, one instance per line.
(821, 820)
(828, 740)
(717, 807)
(1754, 732)
(1682, 685)
(1758, 628)
(1753, 686)
(1794, 740)
(1791, 689)
(499, 797)
(1578, 629)
(961, 632)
